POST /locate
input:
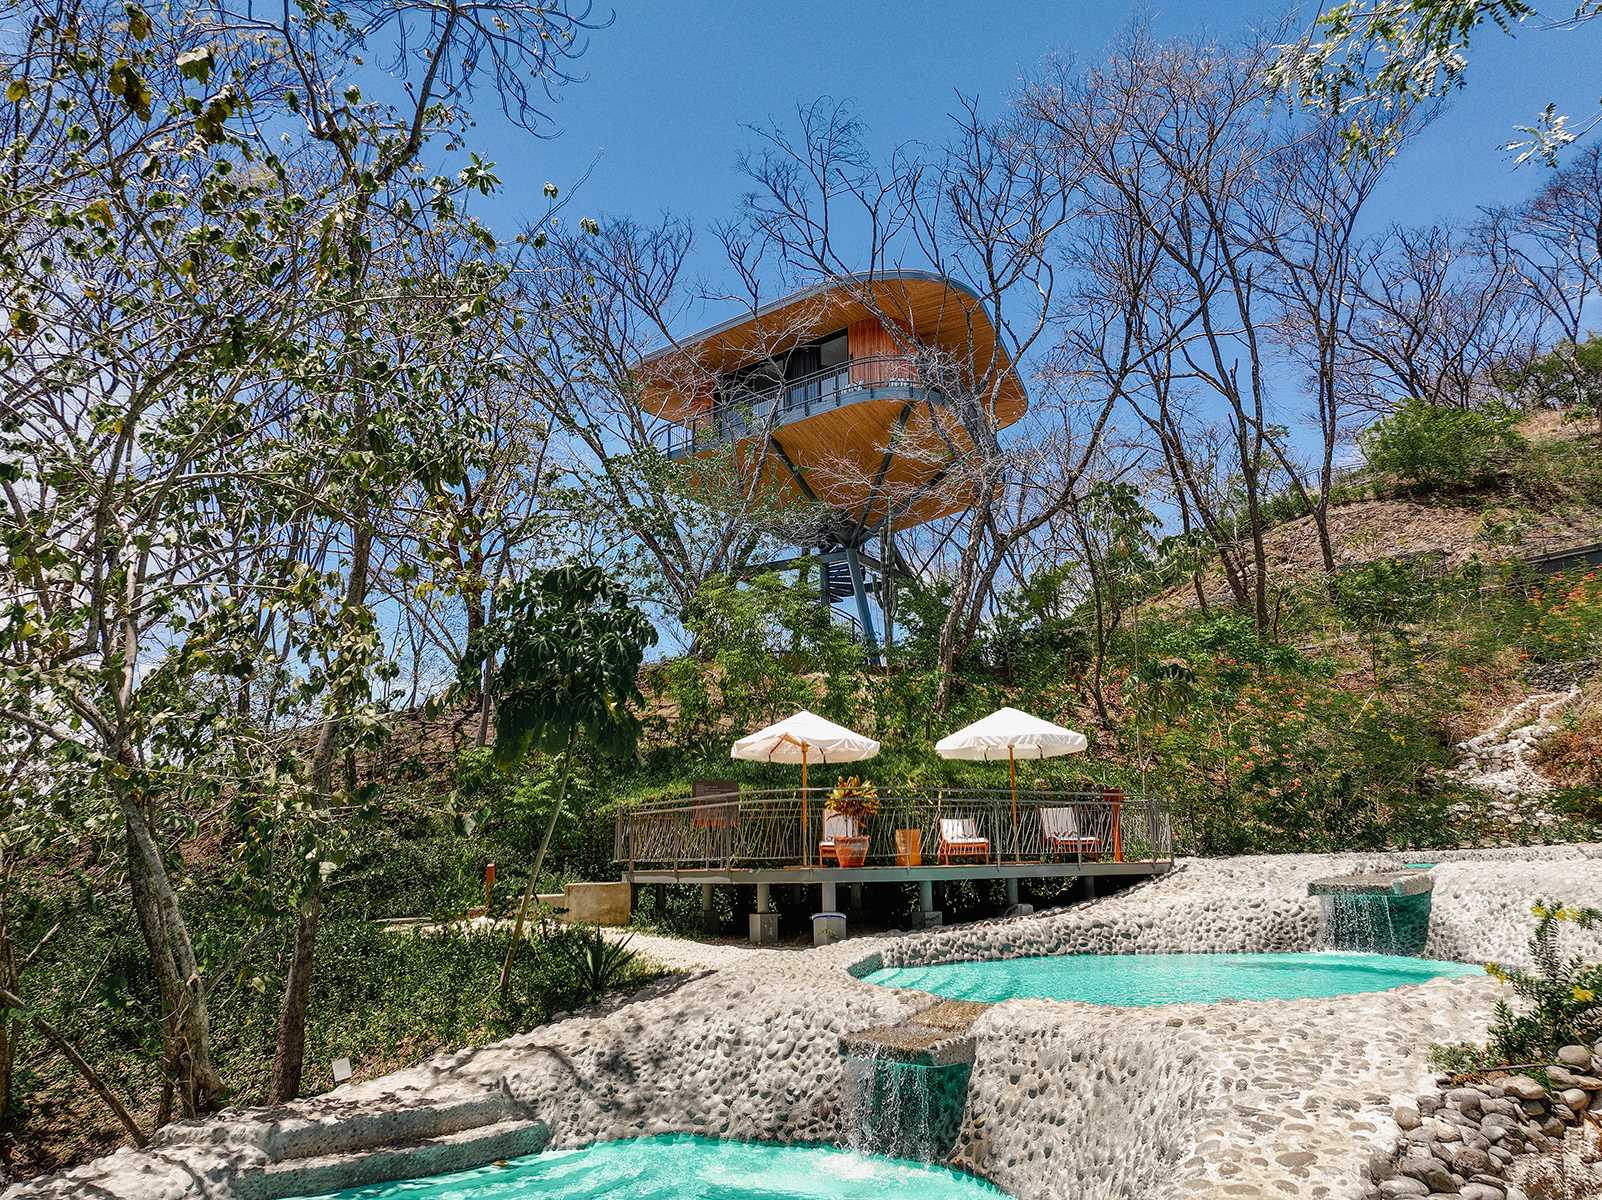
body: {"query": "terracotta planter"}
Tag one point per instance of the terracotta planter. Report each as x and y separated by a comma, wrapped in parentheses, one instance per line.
(909, 847)
(851, 851)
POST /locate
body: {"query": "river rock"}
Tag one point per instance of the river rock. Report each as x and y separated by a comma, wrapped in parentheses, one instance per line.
(1428, 1170)
(1524, 1087)
(1575, 1056)
(1402, 1186)
(1467, 1100)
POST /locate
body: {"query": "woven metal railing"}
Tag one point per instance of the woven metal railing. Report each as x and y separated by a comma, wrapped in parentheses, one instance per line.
(760, 409)
(782, 828)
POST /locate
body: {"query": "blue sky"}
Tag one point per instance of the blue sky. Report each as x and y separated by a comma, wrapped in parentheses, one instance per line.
(670, 87)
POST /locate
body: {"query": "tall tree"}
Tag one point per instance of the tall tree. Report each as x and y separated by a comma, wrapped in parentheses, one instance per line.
(1555, 240)
(1179, 140)
(440, 55)
(154, 319)
(1436, 312)
(567, 646)
(1309, 219)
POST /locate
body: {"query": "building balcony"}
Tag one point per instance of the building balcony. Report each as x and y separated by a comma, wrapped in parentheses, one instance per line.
(756, 413)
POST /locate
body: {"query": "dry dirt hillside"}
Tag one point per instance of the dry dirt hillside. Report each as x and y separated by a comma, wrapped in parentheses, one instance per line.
(1493, 526)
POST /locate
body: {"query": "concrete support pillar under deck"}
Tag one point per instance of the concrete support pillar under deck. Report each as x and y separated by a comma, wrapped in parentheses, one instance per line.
(926, 917)
(706, 908)
(829, 898)
(1012, 892)
(764, 922)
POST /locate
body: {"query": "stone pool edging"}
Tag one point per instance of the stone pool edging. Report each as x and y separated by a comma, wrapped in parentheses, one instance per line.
(1260, 1099)
(1469, 1139)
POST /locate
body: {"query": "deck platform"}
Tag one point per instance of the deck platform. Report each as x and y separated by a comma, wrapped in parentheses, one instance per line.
(893, 874)
(763, 839)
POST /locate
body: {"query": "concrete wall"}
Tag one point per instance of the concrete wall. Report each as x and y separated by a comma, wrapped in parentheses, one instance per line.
(597, 904)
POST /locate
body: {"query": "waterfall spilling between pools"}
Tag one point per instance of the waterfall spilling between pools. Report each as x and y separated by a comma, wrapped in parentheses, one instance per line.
(906, 1085)
(903, 1109)
(1377, 913)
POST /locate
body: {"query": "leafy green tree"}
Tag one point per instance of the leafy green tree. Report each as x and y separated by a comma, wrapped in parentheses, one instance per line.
(1393, 55)
(1432, 448)
(1381, 597)
(375, 148)
(154, 264)
(762, 649)
(567, 644)
(1567, 377)
(238, 324)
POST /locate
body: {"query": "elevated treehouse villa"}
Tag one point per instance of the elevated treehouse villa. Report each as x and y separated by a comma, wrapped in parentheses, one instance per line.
(859, 400)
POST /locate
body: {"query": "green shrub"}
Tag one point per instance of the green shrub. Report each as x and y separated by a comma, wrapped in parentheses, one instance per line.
(1560, 1001)
(1428, 448)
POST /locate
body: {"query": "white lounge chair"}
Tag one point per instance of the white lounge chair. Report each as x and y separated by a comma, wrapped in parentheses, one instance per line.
(1060, 829)
(960, 838)
(835, 826)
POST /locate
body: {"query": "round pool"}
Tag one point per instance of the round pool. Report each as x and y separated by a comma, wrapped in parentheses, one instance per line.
(1142, 980)
(689, 1168)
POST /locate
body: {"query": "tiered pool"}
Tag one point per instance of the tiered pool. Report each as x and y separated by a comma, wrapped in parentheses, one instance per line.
(1144, 980)
(689, 1168)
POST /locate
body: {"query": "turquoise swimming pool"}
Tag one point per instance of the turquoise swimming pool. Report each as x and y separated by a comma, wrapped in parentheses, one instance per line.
(689, 1168)
(1143, 980)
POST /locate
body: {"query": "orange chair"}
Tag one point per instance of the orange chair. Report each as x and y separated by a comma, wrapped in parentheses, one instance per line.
(960, 838)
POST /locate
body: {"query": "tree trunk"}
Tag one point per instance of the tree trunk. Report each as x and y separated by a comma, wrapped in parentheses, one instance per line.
(186, 1020)
(289, 1053)
(290, 1050)
(539, 864)
(961, 587)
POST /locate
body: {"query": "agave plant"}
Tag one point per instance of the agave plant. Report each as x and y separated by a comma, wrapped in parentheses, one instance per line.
(599, 963)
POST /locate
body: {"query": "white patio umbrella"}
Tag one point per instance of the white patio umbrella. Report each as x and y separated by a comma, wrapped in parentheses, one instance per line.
(1016, 734)
(800, 739)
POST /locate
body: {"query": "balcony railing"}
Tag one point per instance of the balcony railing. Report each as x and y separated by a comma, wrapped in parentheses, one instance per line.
(758, 410)
(756, 829)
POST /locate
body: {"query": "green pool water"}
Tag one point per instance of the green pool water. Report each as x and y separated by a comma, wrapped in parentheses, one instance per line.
(1142, 980)
(689, 1168)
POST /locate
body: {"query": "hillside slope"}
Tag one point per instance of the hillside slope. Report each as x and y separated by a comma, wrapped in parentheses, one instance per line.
(1548, 498)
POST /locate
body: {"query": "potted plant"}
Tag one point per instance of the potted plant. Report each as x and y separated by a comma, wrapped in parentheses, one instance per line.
(857, 799)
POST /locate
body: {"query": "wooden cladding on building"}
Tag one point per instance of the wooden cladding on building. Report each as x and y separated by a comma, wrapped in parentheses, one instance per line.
(877, 355)
(932, 310)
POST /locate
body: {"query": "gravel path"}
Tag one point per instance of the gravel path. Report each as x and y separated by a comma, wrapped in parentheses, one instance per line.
(686, 954)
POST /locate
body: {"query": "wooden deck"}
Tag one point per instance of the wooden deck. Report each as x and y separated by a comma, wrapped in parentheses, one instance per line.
(788, 835)
(893, 874)
(762, 839)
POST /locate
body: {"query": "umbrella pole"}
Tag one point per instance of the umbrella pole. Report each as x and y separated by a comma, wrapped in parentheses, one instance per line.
(806, 822)
(1012, 777)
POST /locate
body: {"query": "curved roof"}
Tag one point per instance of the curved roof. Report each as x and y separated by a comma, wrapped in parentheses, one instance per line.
(932, 309)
